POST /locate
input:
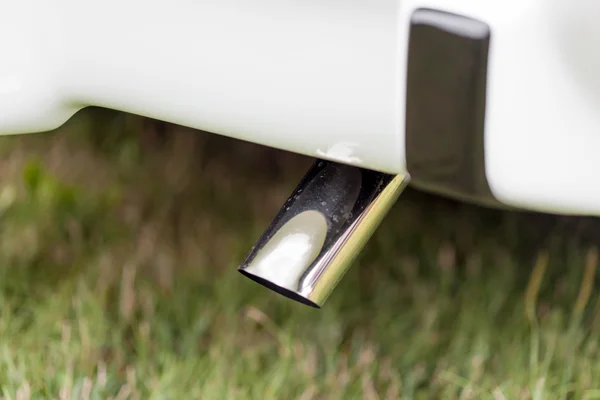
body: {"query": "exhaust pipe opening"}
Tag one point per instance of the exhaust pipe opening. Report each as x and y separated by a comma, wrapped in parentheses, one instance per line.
(280, 290)
(320, 229)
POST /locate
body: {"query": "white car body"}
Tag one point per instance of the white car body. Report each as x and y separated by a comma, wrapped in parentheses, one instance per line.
(324, 78)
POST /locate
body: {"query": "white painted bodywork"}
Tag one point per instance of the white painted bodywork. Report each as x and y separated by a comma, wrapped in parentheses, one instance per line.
(325, 78)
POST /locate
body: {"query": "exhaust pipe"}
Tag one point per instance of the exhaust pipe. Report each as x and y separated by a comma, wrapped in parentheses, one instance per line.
(320, 229)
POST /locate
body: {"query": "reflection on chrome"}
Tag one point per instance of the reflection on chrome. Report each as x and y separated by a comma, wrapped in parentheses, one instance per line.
(320, 229)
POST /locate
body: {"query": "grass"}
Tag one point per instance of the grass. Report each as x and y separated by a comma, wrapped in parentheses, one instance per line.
(118, 280)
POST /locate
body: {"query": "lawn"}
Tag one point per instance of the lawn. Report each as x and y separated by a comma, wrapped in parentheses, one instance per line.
(120, 243)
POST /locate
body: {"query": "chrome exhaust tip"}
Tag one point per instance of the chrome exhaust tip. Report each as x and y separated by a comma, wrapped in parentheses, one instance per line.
(320, 229)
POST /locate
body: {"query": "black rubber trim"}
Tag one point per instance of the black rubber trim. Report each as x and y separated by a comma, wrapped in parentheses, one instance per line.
(445, 104)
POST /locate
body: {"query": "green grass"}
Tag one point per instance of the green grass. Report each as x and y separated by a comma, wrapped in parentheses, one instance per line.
(118, 279)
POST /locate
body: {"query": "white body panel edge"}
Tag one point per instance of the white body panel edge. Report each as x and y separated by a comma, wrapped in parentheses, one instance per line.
(325, 78)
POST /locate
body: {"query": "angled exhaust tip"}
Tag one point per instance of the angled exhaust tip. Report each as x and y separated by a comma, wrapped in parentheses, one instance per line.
(320, 229)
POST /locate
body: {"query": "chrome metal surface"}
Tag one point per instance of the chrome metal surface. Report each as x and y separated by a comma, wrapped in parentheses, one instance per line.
(320, 229)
